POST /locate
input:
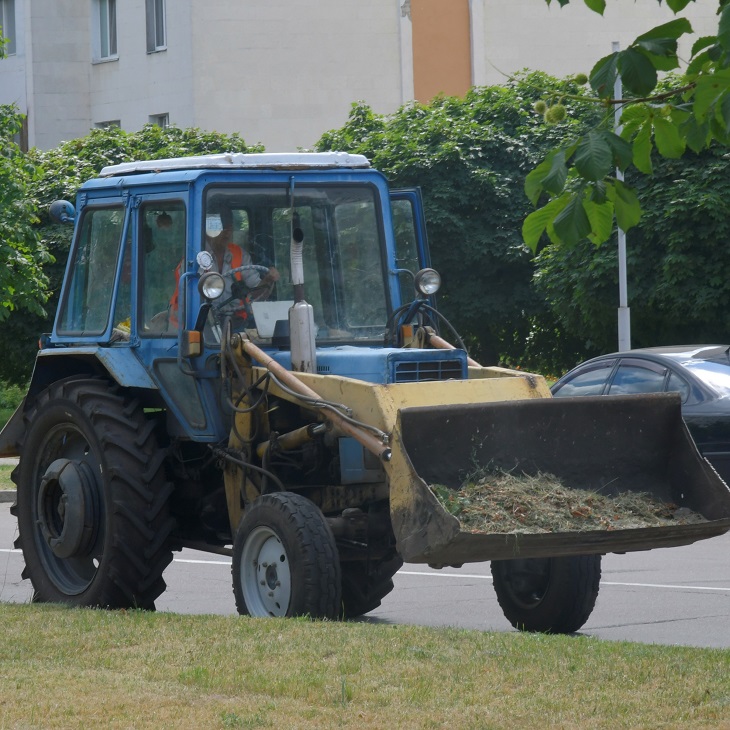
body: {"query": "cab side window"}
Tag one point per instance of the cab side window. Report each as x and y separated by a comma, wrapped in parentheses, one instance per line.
(162, 228)
(86, 306)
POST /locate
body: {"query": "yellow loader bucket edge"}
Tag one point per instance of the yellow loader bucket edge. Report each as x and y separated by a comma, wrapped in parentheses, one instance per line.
(610, 444)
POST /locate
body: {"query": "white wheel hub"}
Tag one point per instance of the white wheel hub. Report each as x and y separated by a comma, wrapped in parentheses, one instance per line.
(265, 574)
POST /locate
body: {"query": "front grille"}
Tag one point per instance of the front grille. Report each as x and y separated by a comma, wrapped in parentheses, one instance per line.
(415, 371)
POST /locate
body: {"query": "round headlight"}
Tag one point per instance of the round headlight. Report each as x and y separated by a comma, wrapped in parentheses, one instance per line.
(428, 281)
(211, 285)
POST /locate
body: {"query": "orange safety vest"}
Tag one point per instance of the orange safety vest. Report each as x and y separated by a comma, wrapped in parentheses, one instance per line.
(236, 261)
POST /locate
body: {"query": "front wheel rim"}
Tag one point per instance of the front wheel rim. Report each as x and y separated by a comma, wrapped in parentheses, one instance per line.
(265, 574)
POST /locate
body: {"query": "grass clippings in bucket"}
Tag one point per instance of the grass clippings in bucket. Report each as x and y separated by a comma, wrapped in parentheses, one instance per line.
(502, 502)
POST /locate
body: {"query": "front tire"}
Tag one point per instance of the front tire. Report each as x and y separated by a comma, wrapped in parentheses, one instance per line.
(548, 595)
(92, 500)
(285, 560)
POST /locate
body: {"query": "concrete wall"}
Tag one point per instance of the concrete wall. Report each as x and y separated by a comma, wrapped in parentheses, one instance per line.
(283, 72)
(528, 34)
(59, 70)
(138, 84)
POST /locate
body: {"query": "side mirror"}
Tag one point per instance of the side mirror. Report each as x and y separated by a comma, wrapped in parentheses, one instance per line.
(61, 211)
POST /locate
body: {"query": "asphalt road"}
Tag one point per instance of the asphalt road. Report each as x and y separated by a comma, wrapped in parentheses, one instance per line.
(669, 596)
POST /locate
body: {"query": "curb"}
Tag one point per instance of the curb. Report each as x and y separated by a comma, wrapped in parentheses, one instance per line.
(7, 495)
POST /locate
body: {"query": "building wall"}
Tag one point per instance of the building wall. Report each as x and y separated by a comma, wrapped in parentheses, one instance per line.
(57, 70)
(294, 68)
(281, 73)
(139, 84)
(530, 34)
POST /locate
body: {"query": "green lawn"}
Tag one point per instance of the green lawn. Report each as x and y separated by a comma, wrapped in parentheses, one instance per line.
(70, 668)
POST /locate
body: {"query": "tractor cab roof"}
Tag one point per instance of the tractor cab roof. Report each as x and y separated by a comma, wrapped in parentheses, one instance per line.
(239, 160)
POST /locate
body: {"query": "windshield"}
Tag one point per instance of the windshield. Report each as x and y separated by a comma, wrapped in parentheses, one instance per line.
(248, 231)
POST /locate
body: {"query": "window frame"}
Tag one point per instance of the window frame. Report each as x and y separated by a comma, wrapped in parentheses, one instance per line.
(156, 25)
(7, 23)
(105, 31)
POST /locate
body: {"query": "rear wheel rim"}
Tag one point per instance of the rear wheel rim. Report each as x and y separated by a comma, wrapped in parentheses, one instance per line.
(528, 581)
(265, 573)
(72, 574)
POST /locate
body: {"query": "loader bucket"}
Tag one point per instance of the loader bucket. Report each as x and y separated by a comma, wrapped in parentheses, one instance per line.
(609, 444)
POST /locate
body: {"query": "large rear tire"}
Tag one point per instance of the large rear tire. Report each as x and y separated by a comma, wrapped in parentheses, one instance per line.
(365, 585)
(548, 595)
(285, 560)
(92, 501)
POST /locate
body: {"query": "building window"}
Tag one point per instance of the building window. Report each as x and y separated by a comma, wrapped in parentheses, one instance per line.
(156, 30)
(7, 23)
(106, 11)
(108, 124)
(160, 120)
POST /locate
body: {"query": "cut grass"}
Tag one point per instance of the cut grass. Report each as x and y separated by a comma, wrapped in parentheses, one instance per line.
(70, 668)
(505, 502)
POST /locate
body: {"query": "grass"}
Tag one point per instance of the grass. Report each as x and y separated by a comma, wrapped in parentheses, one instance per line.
(5, 481)
(507, 502)
(78, 668)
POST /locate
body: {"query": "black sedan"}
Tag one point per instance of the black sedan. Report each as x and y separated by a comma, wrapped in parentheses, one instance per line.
(699, 373)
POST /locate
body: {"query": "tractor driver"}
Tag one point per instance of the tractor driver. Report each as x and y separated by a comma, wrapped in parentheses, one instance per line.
(226, 256)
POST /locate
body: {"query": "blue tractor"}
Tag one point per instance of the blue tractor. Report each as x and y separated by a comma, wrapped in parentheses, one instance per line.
(247, 359)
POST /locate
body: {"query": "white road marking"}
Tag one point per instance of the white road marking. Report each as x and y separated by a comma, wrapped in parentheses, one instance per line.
(668, 586)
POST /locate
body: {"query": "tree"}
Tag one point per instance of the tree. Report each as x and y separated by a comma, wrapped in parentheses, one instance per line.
(470, 157)
(676, 269)
(22, 254)
(58, 174)
(575, 183)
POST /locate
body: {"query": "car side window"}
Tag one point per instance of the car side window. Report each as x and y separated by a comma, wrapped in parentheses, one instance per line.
(587, 382)
(677, 385)
(631, 378)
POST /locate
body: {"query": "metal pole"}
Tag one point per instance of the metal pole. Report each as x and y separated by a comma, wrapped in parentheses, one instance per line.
(624, 312)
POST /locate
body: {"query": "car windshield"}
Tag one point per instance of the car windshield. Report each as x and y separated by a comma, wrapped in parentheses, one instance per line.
(714, 374)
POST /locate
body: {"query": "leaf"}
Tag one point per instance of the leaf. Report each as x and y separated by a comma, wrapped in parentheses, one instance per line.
(626, 205)
(603, 75)
(534, 180)
(696, 134)
(600, 216)
(667, 138)
(709, 89)
(622, 151)
(597, 6)
(535, 224)
(697, 63)
(666, 32)
(704, 42)
(677, 5)
(638, 73)
(572, 223)
(723, 30)
(549, 175)
(593, 158)
(554, 181)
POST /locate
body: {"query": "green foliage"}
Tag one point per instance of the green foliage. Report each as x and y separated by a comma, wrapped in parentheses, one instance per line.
(58, 174)
(470, 157)
(676, 261)
(22, 255)
(578, 200)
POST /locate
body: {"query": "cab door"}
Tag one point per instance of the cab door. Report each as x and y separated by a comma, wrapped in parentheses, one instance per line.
(411, 241)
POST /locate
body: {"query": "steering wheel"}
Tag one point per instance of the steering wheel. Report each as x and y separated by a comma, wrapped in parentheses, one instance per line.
(239, 290)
